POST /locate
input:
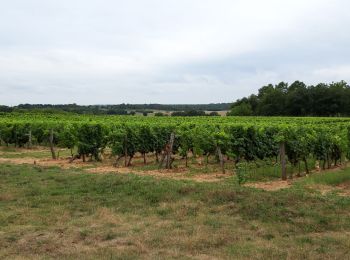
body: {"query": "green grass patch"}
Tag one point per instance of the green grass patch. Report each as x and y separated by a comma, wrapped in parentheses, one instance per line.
(47, 212)
(329, 178)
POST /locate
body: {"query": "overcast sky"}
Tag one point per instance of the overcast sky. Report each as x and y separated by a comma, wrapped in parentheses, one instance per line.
(166, 51)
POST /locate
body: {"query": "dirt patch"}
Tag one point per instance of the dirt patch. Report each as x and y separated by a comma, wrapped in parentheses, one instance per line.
(170, 174)
(345, 185)
(138, 167)
(271, 185)
(279, 184)
(64, 163)
(323, 189)
(17, 160)
(341, 189)
(344, 189)
(178, 173)
(18, 150)
(6, 197)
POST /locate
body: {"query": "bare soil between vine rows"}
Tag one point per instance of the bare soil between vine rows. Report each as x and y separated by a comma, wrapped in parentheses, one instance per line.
(178, 173)
(100, 168)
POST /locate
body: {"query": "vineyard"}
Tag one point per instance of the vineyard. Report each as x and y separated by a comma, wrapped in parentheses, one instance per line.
(236, 141)
(132, 187)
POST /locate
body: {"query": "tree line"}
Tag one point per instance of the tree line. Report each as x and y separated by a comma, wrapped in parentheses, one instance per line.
(121, 109)
(296, 99)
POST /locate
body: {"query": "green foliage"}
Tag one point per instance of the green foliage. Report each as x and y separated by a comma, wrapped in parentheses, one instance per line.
(121, 109)
(203, 140)
(241, 138)
(296, 100)
(185, 137)
(213, 113)
(189, 113)
(243, 109)
(91, 139)
(330, 178)
(145, 139)
(159, 114)
(241, 173)
(68, 137)
(117, 140)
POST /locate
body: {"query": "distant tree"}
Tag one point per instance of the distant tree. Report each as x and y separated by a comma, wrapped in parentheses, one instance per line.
(6, 109)
(111, 109)
(243, 109)
(214, 114)
(272, 99)
(116, 112)
(159, 114)
(296, 100)
(189, 113)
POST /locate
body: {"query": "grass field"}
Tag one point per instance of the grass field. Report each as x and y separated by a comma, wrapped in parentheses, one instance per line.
(48, 212)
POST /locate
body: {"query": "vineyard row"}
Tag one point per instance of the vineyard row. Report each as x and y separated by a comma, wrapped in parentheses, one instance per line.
(326, 141)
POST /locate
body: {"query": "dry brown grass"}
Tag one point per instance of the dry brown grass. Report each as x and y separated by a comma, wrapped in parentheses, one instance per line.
(271, 185)
(69, 214)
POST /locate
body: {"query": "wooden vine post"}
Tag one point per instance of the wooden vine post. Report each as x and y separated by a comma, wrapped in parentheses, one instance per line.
(283, 160)
(168, 150)
(53, 154)
(221, 159)
(126, 151)
(30, 144)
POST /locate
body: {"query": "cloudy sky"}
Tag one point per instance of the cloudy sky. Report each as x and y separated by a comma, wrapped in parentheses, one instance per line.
(166, 51)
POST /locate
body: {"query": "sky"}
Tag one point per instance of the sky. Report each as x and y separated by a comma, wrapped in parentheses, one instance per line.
(166, 51)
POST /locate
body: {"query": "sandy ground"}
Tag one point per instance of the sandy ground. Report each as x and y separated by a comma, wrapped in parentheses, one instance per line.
(91, 168)
(342, 189)
(271, 185)
(162, 174)
(179, 173)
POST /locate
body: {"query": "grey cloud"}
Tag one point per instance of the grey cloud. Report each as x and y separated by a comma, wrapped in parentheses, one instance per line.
(166, 51)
